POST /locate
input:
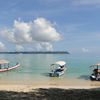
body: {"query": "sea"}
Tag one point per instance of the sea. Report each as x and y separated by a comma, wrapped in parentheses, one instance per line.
(35, 68)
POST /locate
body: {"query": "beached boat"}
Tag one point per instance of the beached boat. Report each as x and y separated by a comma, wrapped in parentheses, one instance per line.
(5, 66)
(95, 72)
(58, 68)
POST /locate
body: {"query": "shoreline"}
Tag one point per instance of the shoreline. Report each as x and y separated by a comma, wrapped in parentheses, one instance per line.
(36, 52)
(29, 88)
(51, 91)
(24, 86)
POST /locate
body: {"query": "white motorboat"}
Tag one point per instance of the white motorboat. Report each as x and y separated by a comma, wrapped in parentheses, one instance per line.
(95, 72)
(58, 68)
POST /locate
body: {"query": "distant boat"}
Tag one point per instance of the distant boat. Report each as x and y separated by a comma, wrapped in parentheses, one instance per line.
(58, 68)
(4, 66)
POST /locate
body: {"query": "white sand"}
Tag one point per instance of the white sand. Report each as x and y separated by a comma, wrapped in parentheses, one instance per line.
(31, 87)
(26, 88)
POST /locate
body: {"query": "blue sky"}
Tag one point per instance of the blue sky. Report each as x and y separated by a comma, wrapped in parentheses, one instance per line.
(71, 25)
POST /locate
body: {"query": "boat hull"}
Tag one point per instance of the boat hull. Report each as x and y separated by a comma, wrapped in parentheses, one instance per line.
(94, 78)
(10, 68)
(57, 74)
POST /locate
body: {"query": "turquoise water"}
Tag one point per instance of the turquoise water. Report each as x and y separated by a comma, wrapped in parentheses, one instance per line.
(35, 67)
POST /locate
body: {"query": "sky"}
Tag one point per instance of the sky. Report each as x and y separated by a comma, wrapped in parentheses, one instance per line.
(50, 25)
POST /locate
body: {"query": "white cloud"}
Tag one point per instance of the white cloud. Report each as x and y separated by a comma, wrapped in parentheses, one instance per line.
(8, 34)
(39, 32)
(22, 32)
(46, 46)
(44, 31)
(2, 47)
(86, 2)
(43, 46)
(19, 48)
(85, 50)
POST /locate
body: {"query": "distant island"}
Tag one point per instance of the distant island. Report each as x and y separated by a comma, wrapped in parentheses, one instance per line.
(36, 52)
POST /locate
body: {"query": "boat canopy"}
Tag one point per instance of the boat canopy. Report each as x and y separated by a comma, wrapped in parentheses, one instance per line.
(95, 65)
(61, 63)
(2, 61)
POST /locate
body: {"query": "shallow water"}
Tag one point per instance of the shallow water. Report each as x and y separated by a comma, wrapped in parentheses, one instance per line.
(35, 68)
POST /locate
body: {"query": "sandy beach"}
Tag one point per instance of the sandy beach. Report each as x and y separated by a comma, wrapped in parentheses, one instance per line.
(76, 84)
(45, 92)
(52, 88)
(28, 88)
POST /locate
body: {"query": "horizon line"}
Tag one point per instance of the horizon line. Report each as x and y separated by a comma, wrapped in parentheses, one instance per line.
(34, 52)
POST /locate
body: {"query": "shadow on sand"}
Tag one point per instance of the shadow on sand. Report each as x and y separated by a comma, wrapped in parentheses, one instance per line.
(52, 94)
(85, 77)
